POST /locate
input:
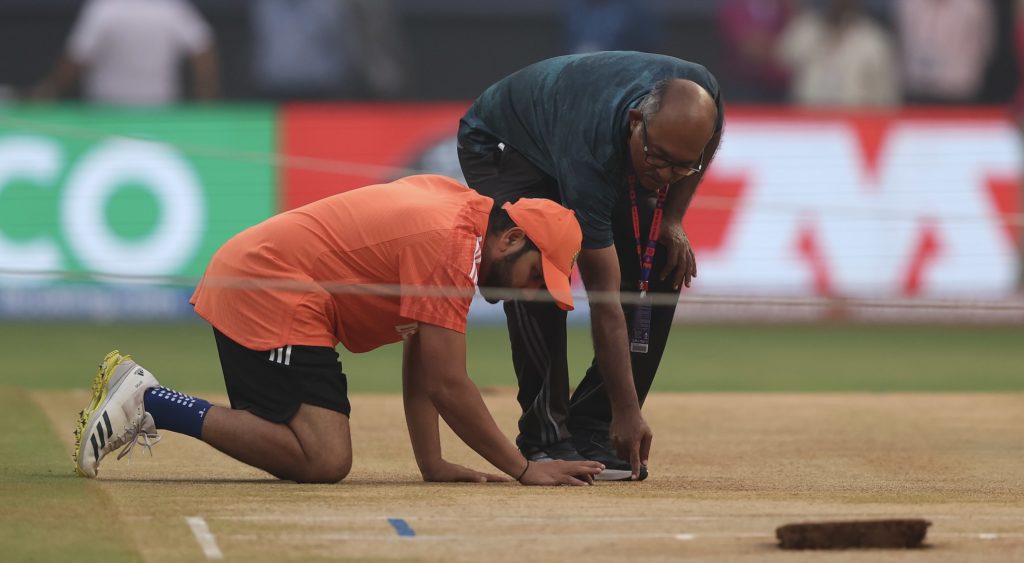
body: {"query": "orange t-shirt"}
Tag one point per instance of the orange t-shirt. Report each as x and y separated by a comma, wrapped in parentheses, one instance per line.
(361, 268)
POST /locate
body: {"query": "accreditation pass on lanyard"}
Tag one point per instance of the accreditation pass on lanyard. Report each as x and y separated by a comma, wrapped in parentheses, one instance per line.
(640, 337)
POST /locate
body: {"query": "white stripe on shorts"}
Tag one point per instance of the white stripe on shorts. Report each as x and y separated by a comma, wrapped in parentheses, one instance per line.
(282, 355)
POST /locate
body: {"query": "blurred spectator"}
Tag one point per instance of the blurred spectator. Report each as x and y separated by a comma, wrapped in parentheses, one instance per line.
(750, 31)
(947, 45)
(129, 52)
(1018, 44)
(839, 57)
(316, 49)
(610, 25)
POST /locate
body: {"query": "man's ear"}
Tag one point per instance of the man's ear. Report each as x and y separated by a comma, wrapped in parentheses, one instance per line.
(512, 240)
(635, 116)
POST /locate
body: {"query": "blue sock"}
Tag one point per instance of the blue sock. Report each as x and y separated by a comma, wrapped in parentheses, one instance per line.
(176, 411)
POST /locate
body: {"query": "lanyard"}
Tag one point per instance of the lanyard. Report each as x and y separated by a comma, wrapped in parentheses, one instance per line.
(646, 255)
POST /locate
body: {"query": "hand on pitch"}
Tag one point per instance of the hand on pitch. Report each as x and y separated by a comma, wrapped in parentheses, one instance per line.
(631, 437)
(680, 263)
(561, 473)
(445, 472)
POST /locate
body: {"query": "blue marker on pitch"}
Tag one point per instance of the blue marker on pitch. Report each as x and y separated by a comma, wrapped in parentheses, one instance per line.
(402, 528)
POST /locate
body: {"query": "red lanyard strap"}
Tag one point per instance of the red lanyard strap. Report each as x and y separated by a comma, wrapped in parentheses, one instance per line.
(646, 255)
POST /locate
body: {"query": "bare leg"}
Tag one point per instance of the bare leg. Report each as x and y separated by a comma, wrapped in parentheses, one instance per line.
(314, 447)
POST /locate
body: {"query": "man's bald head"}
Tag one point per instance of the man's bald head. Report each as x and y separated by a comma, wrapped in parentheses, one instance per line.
(682, 104)
(673, 123)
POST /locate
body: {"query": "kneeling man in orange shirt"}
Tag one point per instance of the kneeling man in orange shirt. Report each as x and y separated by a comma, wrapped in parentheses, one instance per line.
(381, 264)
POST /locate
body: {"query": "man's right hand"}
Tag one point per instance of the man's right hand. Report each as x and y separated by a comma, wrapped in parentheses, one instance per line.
(631, 437)
(561, 473)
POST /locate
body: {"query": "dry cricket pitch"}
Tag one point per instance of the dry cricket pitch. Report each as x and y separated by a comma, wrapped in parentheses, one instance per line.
(726, 470)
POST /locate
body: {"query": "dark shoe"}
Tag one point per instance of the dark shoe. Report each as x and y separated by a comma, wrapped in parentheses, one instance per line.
(561, 451)
(596, 446)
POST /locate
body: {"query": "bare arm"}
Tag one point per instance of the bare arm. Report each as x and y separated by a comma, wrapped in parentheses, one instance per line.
(421, 418)
(437, 357)
(629, 432)
(600, 271)
(205, 76)
(420, 414)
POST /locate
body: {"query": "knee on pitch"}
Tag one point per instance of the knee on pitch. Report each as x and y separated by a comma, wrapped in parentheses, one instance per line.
(325, 438)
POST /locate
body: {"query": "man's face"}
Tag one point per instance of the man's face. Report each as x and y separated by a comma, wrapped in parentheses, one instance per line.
(519, 270)
(662, 154)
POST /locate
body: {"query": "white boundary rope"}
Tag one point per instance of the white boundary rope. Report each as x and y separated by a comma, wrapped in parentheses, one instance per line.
(1001, 305)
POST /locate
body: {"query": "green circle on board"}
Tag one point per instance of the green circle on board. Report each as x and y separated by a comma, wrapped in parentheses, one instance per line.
(132, 211)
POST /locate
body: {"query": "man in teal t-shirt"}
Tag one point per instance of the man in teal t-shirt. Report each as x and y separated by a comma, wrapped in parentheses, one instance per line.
(582, 129)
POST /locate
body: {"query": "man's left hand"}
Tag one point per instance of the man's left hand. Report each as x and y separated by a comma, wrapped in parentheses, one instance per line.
(680, 263)
(445, 472)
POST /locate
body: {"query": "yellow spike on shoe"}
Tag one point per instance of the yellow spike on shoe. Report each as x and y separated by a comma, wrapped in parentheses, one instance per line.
(99, 395)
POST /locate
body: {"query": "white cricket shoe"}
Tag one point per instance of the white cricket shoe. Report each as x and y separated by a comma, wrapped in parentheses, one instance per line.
(116, 416)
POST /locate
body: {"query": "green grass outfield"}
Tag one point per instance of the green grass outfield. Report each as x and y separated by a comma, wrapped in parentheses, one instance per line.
(698, 358)
(50, 514)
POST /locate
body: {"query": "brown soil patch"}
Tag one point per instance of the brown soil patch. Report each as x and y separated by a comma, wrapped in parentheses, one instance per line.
(726, 470)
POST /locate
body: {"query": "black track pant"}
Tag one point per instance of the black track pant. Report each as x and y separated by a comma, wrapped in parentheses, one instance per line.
(537, 330)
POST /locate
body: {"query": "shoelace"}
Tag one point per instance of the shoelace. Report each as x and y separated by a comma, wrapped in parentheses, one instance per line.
(135, 434)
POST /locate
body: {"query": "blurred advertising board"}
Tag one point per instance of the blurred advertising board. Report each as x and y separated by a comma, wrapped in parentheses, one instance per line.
(907, 204)
(140, 199)
(917, 204)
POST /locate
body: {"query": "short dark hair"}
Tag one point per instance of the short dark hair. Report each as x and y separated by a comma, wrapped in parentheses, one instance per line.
(500, 222)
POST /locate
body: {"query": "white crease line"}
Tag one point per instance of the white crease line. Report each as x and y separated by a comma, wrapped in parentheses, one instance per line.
(517, 538)
(205, 538)
(986, 536)
(334, 536)
(982, 535)
(686, 537)
(724, 535)
(346, 518)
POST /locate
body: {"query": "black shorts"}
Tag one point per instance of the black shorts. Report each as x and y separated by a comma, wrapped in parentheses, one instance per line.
(272, 384)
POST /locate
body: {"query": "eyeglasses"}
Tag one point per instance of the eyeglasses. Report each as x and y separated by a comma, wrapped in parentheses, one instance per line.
(678, 169)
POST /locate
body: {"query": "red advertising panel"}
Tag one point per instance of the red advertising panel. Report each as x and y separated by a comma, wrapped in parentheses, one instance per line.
(331, 148)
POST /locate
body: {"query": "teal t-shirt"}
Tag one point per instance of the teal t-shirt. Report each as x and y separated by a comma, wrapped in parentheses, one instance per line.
(569, 117)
